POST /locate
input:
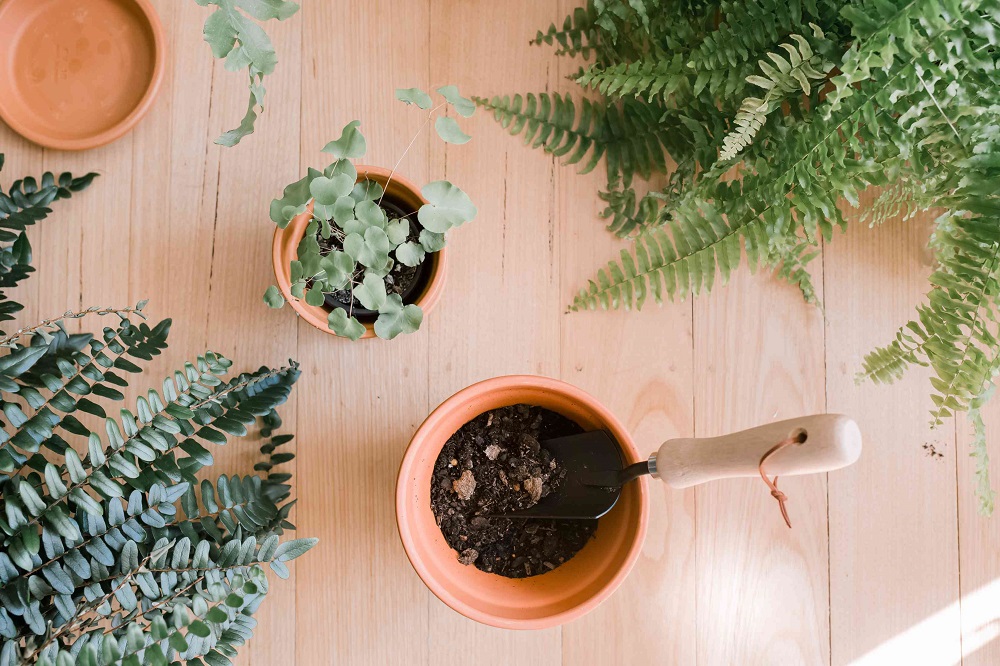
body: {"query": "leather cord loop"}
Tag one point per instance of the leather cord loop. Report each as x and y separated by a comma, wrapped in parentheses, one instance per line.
(772, 484)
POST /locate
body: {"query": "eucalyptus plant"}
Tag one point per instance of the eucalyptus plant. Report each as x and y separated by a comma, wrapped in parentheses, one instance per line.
(732, 128)
(245, 45)
(98, 566)
(351, 243)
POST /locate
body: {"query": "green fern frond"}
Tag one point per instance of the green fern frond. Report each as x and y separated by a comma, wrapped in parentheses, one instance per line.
(700, 236)
(749, 119)
(103, 530)
(550, 122)
(961, 315)
(793, 256)
(787, 76)
(680, 258)
(23, 205)
(879, 28)
(888, 364)
(985, 495)
(611, 14)
(901, 200)
(956, 332)
(628, 136)
(647, 77)
(750, 29)
(627, 213)
(577, 36)
(616, 31)
(71, 370)
(697, 247)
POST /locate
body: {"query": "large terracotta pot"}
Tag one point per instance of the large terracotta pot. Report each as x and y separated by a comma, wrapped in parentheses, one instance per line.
(549, 599)
(80, 74)
(284, 249)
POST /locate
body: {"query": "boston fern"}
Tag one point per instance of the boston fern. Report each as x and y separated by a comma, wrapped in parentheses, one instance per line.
(24, 204)
(769, 113)
(97, 564)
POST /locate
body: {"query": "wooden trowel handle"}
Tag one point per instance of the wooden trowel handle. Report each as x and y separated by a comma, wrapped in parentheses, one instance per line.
(828, 442)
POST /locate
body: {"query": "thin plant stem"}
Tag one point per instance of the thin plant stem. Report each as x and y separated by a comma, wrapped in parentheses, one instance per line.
(8, 340)
(430, 114)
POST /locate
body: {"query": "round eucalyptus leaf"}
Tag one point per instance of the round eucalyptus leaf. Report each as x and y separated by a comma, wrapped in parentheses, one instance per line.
(371, 292)
(350, 145)
(410, 254)
(353, 225)
(449, 130)
(449, 207)
(382, 270)
(464, 106)
(414, 96)
(293, 196)
(371, 250)
(310, 264)
(326, 191)
(345, 326)
(431, 242)
(339, 167)
(324, 213)
(376, 248)
(353, 244)
(343, 210)
(295, 268)
(370, 214)
(367, 190)
(308, 250)
(338, 267)
(398, 231)
(315, 297)
(273, 297)
(289, 212)
(395, 318)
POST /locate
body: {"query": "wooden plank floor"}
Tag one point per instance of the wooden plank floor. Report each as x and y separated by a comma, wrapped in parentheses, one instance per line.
(888, 562)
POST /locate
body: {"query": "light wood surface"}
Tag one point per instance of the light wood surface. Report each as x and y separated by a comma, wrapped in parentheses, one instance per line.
(887, 563)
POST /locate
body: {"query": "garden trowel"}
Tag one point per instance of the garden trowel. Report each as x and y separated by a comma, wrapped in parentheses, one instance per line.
(596, 469)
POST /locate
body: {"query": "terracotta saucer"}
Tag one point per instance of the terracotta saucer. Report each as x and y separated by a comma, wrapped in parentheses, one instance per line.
(77, 74)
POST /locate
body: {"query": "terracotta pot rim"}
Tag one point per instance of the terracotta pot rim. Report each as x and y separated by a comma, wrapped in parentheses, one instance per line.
(316, 316)
(129, 122)
(433, 422)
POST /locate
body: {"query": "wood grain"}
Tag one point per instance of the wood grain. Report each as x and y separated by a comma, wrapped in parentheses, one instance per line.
(762, 588)
(893, 533)
(887, 561)
(977, 550)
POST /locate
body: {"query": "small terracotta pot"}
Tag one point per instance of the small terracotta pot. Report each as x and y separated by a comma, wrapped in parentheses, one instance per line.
(552, 598)
(284, 250)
